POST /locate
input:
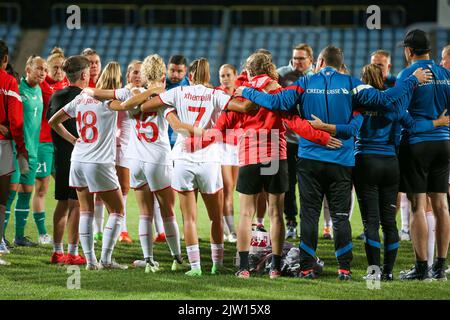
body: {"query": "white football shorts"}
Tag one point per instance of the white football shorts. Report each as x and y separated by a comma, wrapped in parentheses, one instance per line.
(190, 176)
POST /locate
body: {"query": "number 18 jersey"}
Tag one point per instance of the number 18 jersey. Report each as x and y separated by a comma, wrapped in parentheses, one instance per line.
(198, 106)
(96, 126)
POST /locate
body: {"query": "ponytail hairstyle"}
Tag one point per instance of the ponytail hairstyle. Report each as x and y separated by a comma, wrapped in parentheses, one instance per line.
(111, 77)
(199, 70)
(260, 63)
(373, 75)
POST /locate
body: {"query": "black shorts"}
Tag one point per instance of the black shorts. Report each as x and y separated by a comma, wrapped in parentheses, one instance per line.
(424, 167)
(252, 179)
(62, 171)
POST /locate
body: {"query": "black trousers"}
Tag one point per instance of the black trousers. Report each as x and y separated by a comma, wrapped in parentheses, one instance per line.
(290, 200)
(316, 179)
(376, 179)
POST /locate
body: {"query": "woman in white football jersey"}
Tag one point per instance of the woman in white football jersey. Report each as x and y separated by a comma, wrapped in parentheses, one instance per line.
(148, 155)
(93, 165)
(199, 106)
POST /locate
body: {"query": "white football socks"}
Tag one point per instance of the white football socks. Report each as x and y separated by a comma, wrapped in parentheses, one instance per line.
(172, 235)
(98, 216)
(193, 253)
(431, 221)
(87, 236)
(159, 225)
(146, 236)
(110, 234)
(217, 253)
(405, 212)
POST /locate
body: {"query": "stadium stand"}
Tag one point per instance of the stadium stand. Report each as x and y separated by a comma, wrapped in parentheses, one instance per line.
(124, 44)
(226, 41)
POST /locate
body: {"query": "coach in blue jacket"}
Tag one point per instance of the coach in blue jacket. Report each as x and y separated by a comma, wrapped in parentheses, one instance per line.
(329, 95)
(424, 158)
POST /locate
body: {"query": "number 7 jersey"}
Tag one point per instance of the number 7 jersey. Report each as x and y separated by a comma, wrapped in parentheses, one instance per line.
(96, 126)
(198, 106)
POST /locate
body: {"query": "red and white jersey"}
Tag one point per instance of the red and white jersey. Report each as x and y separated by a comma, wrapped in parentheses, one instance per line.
(149, 140)
(123, 120)
(198, 106)
(96, 125)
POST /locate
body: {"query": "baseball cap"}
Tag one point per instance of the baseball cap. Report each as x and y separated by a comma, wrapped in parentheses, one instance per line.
(416, 39)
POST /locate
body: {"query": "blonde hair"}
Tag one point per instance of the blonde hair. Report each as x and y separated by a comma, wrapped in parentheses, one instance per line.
(55, 54)
(199, 69)
(305, 47)
(111, 77)
(260, 63)
(372, 75)
(447, 50)
(32, 60)
(153, 68)
(131, 65)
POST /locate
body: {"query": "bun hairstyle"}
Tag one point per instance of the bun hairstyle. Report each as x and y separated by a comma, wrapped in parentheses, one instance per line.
(199, 70)
(55, 54)
(111, 77)
(153, 68)
(260, 63)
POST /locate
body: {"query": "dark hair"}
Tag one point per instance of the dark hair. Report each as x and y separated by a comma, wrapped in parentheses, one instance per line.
(74, 66)
(10, 70)
(3, 50)
(332, 56)
(420, 52)
(178, 59)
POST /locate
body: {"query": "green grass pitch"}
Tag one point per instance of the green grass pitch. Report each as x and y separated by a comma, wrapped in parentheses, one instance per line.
(32, 277)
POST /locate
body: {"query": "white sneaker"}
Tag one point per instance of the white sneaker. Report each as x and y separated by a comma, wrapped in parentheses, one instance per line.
(232, 238)
(45, 239)
(4, 263)
(448, 270)
(404, 235)
(112, 266)
(3, 248)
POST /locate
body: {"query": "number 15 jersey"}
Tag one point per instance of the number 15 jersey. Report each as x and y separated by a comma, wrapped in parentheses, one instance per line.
(96, 126)
(149, 139)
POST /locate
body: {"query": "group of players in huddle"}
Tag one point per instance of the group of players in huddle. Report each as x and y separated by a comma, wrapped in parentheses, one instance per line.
(107, 138)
